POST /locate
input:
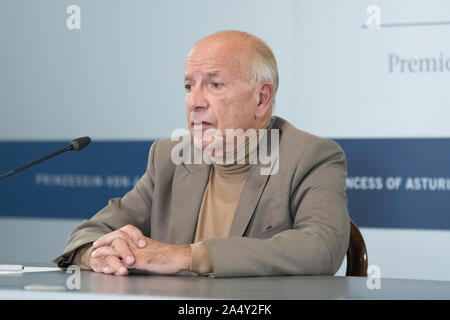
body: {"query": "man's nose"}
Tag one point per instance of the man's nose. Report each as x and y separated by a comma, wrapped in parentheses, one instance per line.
(196, 99)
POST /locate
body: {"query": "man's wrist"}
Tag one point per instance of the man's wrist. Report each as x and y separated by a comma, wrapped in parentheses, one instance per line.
(185, 257)
(86, 258)
(81, 257)
(200, 261)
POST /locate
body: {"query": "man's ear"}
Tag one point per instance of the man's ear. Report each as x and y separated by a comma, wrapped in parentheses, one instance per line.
(265, 98)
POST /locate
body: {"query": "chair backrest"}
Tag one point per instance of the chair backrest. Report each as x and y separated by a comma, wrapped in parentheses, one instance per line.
(356, 253)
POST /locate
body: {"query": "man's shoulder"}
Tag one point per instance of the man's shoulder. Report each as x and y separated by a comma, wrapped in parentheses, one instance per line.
(164, 146)
(298, 141)
(162, 150)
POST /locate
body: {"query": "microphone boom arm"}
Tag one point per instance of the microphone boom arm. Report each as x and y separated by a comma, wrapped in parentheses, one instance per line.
(76, 145)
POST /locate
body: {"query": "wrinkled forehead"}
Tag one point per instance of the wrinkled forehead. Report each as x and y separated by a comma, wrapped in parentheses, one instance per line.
(219, 56)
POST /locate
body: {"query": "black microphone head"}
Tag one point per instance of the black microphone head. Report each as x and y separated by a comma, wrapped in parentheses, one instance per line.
(80, 143)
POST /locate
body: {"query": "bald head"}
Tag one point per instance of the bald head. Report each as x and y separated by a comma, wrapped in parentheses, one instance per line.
(230, 81)
(245, 52)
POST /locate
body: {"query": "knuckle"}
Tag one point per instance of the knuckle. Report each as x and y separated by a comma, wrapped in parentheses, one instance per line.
(138, 233)
(126, 228)
(115, 243)
(109, 235)
(105, 250)
(132, 230)
(100, 240)
(121, 233)
(109, 259)
(119, 246)
(96, 253)
(93, 256)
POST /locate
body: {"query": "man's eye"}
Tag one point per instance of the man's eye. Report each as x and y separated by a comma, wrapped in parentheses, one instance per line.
(188, 87)
(217, 85)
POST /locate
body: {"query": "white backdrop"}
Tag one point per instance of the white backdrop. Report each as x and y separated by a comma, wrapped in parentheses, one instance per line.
(121, 75)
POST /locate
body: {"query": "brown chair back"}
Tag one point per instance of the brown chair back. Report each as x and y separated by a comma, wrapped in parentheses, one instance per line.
(356, 253)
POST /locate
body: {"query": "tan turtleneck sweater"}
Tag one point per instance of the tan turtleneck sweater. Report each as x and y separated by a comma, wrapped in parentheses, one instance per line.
(217, 209)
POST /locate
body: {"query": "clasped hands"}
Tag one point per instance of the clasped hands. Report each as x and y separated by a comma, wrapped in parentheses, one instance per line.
(127, 248)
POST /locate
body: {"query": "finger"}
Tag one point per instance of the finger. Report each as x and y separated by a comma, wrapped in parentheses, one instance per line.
(107, 239)
(122, 248)
(135, 234)
(103, 252)
(114, 266)
(98, 264)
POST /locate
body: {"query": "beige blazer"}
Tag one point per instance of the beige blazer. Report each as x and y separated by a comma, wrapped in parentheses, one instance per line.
(294, 222)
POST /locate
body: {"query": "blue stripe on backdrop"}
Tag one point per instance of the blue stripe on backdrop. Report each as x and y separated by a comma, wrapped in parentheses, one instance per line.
(392, 183)
(399, 183)
(72, 185)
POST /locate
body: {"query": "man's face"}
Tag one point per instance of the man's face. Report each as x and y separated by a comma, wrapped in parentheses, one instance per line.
(219, 93)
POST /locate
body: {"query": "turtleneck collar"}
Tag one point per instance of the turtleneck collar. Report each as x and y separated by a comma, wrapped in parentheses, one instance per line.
(241, 158)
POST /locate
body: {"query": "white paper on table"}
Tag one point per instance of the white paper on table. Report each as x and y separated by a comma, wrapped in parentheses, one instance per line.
(32, 269)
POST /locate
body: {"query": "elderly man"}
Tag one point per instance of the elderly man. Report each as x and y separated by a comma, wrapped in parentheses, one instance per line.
(226, 218)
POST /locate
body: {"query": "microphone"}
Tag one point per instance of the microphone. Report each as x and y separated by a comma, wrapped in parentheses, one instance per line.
(80, 143)
(76, 145)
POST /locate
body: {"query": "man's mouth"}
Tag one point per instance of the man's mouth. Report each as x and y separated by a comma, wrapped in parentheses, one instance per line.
(201, 124)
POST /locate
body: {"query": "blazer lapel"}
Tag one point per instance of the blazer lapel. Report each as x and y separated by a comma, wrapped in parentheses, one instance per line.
(253, 188)
(189, 184)
(252, 191)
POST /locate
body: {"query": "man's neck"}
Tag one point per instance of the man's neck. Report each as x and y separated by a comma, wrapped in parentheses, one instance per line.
(243, 148)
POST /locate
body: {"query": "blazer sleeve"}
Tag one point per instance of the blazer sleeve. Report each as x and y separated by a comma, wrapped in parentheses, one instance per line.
(134, 208)
(318, 240)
